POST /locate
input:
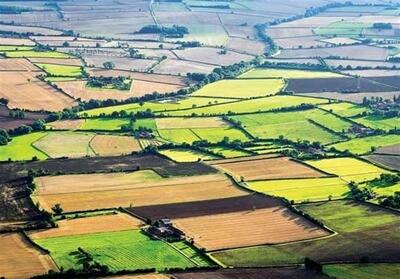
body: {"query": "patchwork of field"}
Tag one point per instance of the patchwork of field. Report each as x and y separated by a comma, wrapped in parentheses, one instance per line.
(186, 155)
(257, 168)
(348, 169)
(120, 190)
(188, 123)
(356, 225)
(21, 148)
(61, 70)
(367, 144)
(356, 98)
(380, 123)
(8, 122)
(345, 109)
(107, 145)
(287, 74)
(26, 260)
(368, 271)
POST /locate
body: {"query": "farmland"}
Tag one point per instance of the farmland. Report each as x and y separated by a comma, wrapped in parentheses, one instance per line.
(181, 155)
(286, 74)
(367, 144)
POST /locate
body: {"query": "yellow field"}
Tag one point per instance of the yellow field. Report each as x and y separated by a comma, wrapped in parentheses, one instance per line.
(192, 122)
(181, 155)
(349, 169)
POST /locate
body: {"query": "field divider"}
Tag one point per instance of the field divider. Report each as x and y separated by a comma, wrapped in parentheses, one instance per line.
(36, 148)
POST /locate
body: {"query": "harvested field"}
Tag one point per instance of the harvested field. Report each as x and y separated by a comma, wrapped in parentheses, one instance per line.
(193, 122)
(253, 227)
(300, 42)
(121, 63)
(29, 29)
(58, 61)
(22, 260)
(386, 161)
(163, 166)
(392, 81)
(17, 64)
(105, 145)
(374, 73)
(114, 194)
(269, 168)
(203, 208)
(287, 73)
(16, 42)
(25, 91)
(70, 124)
(336, 85)
(359, 63)
(248, 273)
(389, 150)
(174, 66)
(96, 224)
(352, 97)
(246, 46)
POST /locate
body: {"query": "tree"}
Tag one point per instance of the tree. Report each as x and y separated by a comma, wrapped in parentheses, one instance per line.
(57, 209)
(109, 65)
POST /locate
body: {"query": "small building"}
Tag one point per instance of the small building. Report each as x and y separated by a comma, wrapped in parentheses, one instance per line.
(164, 229)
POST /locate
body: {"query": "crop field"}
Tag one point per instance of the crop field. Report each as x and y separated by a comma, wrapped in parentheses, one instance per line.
(356, 98)
(61, 70)
(122, 250)
(344, 109)
(242, 89)
(178, 135)
(35, 54)
(367, 271)
(173, 66)
(103, 124)
(25, 91)
(343, 28)
(387, 161)
(188, 123)
(228, 152)
(186, 155)
(267, 168)
(385, 124)
(356, 224)
(140, 192)
(21, 148)
(57, 61)
(302, 190)
(86, 225)
(107, 145)
(65, 144)
(349, 169)
(70, 124)
(255, 227)
(26, 260)
(367, 144)
(286, 74)
(17, 64)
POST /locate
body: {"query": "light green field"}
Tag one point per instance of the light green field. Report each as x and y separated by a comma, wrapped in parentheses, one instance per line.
(287, 73)
(342, 29)
(20, 148)
(104, 124)
(148, 123)
(36, 54)
(61, 70)
(174, 104)
(362, 271)
(386, 190)
(65, 144)
(124, 250)
(15, 48)
(364, 145)
(349, 169)
(228, 152)
(292, 125)
(299, 190)
(379, 123)
(178, 135)
(186, 155)
(344, 109)
(236, 88)
(215, 135)
(248, 106)
(207, 34)
(328, 120)
(362, 230)
(56, 79)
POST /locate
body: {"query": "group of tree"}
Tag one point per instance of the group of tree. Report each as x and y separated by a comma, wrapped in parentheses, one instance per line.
(120, 82)
(392, 201)
(4, 137)
(175, 31)
(360, 194)
(13, 9)
(382, 25)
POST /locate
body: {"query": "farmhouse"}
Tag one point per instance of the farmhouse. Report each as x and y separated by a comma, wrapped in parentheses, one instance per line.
(163, 228)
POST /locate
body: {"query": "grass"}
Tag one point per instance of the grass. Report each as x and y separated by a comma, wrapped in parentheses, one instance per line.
(148, 123)
(362, 231)
(299, 190)
(249, 106)
(342, 29)
(287, 73)
(61, 70)
(15, 48)
(215, 135)
(349, 169)
(228, 152)
(104, 124)
(207, 34)
(161, 106)
(178, 135)
(56, 79)
(186, 155)
(344, 109)
(367, 144)
(127, 250)
(35, 54)
(20, 148)
(375, 122)
(241, 88)
(362, 271)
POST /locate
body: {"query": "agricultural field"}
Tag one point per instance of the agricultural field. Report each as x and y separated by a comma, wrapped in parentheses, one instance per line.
(21, 148)
(286, 74)
(111, 145)
(368, 271)
(103, 124)
(381, 123)
(61, 70)
(182, 155)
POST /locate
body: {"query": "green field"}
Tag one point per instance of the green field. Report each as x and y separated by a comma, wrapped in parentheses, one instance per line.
(296, 125)
(286, 73)
(35, 54)
(363, 271)
(349, 169)
(345, 109)
(148, 123)
(61, 70)
(161, 106)
(65, 144)
(243, 89)
(20, 148)
(178, 135)
(379, 123)
(228, 152)
(215, 135)
(342, 29)
(127, 250)
(248, 106)
(365, 145)
(299, 190)
(186, 155)
(15, 48)
(104, 124)
(362, 231)
(207, 34)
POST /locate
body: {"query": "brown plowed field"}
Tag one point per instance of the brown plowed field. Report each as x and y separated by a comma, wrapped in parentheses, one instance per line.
(112, 193)
(269, 168)
(209, 207)
(20, 260)
(248, 228)
(243, 159)
(7, 122)
(96, 224)
(17, 64)
(70, 124)
(25, 91)
(388, 161)
(105, 145)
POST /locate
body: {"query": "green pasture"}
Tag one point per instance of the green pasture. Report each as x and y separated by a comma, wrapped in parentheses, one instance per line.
(61, 70)
(21, 148)
(367, 144)
(363, 271)
(381, 123)
(228, 152)
(35, 54)
(286, 74)
(104, 124)
(342, 29)
(344, 109)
